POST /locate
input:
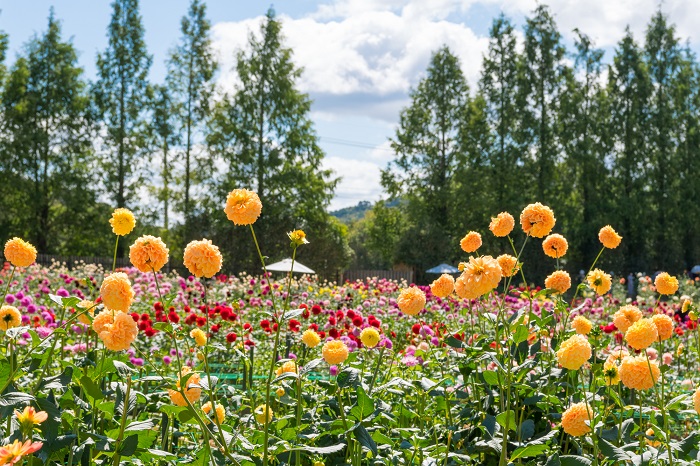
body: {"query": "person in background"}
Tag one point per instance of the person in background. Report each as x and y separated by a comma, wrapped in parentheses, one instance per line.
(631, 288)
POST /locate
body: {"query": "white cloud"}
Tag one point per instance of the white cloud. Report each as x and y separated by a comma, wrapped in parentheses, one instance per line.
(360, 181)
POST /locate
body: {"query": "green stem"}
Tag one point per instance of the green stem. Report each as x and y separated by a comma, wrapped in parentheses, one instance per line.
(114, 261)
(9, 280)
(122, 424)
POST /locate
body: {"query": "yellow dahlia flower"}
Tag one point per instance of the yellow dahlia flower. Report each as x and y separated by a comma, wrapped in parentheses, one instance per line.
(19, 252)
(635, 373)
(626, 316)
(122, 221)
(479, 276)
(574, 352)
(609, 237)
(508, 264)
(243, 207)
(599, 281)
(310, 338)
(148, 253)
(369, 337)
(116, 292)
(471, 242)
(200, 338)
(573, 421)
(263, 414)
(642, 334)
(9, 317)
(664, 324)
(502, 224)
(555, 246)
(537, 220)
(411, 300)
(443, 286)
(559, 281)
(202, 258)
(220, 411)
(116, 330)
(192, 390)
(666, 284)
(335, 352)
(582, 325)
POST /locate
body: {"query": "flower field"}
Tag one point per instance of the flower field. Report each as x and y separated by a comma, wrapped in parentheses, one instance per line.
(137, 366)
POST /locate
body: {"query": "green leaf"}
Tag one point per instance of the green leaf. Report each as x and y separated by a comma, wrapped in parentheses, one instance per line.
(365, 439)
(526, 429)
(528, 451)
(521, 333)
(129, 446)
(364, 406)
(348, 377)
(292, 313)
(91, 388)
(611, 451)
(320, 450)
(10, 401)
(139, 425)
(490, 377)
(166, 327)
(57, 382)
(123, 369)
(501, 419)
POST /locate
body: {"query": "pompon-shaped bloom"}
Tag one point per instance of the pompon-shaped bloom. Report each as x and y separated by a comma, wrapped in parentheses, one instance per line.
(202, 258)
(635, 373)
(573, 421)
(480, 275)
(83, 316)
(148, 254)
(192, 392)
(443, 286)
(471, 242)
(117, 330)
(370, 337)
(502, 224)
(599, 281)
(310, 338)
(287, 366)
(508, 264)
(617, 354)
(642, 334)
(555, 245)
(243, 207)
(537, 220)
(609, 237)
(574, 352)
(31, 417)
(116, 292)
(263, 414)
(665, 283)
(411, 300)
(582, 325)
(200, 338)
(19, 252)
(10, 317)
(696, 400)
(14, 452)
(122, 221)
(335, 352)
(611, 373)
(220, 411)
(664, 325)
(559, 281)
(626, 316)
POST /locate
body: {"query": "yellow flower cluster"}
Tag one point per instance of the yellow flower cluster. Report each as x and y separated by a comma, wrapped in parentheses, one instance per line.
(574, 352)
(443, 286)
(411, 300)
(202, 258)
(573, 421)
(609, 237)
(665, 283)
(117, 330)
(626, 316)
(502, 224)
(479, 276)
(582, 325)
(635, 373)
(200, 338)
(537, 220)
(310, 338)
(471, 242)
(9, 317)
(288, 366)
(335, 352)
(116, 292)
(508, 264)
(664, 325)
(122, 221)
(559, 281)
(85, 317)
(369, 337)
(19, 252)
(220, 411)
(555, 246)
(642, 334)
(243, 207)
(148, 254)
(263, 414)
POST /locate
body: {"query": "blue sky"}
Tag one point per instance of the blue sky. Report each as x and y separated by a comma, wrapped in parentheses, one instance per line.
(361, 57)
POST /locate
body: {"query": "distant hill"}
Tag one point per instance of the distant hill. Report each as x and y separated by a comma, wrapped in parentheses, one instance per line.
(349, 215)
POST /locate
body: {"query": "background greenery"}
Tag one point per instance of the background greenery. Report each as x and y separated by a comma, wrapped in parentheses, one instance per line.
(600, 142)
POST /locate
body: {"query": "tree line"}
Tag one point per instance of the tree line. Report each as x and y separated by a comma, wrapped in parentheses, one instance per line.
(615, 143)
(71, 150)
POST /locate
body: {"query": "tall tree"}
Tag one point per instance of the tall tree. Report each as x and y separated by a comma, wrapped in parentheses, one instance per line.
(427, 145)
(47, 140)
(584, 137)
(267, 142)
(663, 57)
(165, 135)
(499, 87)
(191, 68)
(122, 98)
(541, 85)
(628, 90)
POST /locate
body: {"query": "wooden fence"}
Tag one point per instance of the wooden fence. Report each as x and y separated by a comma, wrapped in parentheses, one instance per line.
(353, 275)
